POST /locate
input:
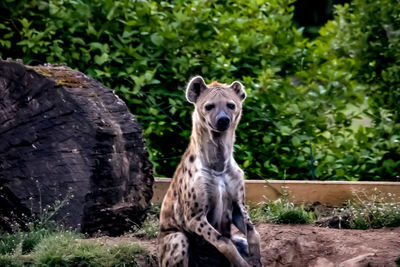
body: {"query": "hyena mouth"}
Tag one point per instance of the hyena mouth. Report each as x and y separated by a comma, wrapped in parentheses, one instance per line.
(223, 124)
(219, 128)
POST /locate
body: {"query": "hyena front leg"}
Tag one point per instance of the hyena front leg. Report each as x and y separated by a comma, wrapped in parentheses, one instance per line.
(174, 250)
(242, 221)
(200, 225)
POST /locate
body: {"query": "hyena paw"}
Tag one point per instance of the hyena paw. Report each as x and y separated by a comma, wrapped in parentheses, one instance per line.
(254, 251)
(254, 258)
(255, 262)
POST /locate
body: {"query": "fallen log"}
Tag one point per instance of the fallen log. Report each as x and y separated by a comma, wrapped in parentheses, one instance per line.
(64, 134)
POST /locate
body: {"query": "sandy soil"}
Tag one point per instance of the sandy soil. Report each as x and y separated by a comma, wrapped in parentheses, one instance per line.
(293, 245)
(311, 246)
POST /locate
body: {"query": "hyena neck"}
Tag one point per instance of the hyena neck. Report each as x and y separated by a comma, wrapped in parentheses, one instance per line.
(214, 149)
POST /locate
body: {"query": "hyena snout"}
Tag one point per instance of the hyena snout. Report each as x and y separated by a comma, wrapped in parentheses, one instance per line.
(223, 121)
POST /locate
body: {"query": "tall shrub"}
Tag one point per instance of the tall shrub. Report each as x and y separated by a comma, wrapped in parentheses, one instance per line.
(147, 51)
(303, 96)
(365, 35)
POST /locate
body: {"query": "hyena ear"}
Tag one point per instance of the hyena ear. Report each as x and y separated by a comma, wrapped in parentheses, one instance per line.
(195, 87)
(239, 90)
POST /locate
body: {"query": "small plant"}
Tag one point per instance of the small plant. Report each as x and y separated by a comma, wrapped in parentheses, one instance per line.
(398, 261)
(282, 211)
(44, 217)
(372, 210)
(15, 246)
(150, 226)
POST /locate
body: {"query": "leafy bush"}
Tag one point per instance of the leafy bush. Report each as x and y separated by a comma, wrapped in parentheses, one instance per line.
(147, 51)
(360, 47)
(304, 96)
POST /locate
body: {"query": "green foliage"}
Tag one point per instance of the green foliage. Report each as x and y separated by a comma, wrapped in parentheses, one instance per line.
(282, 211)
(147, 51)
(398, 261)
(301, 93)
(362, 42)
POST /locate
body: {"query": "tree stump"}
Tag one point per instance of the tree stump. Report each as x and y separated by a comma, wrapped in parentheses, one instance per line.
(62, 134)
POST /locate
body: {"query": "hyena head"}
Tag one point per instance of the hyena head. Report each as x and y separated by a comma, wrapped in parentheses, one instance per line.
(218, 107)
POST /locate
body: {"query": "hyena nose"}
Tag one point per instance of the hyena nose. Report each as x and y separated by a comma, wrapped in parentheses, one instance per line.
(223, 121)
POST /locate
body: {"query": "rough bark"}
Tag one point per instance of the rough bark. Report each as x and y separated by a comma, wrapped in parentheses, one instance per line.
(63, 134)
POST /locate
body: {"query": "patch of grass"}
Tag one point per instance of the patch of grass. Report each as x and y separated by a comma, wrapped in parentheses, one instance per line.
(63, 249)
(9, 242)
(68, 249)
(372, 210)
(282, 211)
(25, 241)
(32, 238)
(9, 261)
(150, 227)
(397, 261)
(60, 248)
(46, 244)
(124, 254)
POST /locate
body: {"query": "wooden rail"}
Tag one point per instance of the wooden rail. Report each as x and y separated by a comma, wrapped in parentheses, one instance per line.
(325, 192)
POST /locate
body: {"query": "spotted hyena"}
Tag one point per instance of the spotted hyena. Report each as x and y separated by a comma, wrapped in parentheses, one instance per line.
(206, 195)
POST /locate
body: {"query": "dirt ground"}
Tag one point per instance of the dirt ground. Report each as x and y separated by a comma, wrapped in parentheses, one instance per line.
(295, 245)
(312, 246)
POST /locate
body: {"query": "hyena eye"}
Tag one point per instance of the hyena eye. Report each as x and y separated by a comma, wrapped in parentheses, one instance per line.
(231, 106)
(209, 107)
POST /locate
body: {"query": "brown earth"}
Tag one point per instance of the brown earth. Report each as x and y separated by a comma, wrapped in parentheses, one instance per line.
(295, 245)
(311, 246)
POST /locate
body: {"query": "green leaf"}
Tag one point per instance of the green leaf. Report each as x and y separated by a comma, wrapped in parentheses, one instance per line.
(267, 139)
(100, 60)
(285, 130)
(340, 172)
(157, 39)
(296, 141)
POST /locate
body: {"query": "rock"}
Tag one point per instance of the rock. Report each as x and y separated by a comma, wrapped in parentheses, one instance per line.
(321, 261)
(354, 262)
(64, 134)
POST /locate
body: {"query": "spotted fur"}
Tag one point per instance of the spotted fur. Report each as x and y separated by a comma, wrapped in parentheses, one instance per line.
(206, 194)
